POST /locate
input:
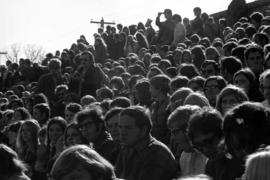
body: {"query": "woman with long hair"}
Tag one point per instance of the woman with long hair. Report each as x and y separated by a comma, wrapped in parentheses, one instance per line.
(27, 141)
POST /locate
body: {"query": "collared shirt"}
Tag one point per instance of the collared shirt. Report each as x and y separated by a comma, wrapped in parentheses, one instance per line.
(149, 159)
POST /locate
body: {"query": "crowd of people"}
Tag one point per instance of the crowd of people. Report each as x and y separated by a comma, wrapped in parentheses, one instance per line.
(187, 101)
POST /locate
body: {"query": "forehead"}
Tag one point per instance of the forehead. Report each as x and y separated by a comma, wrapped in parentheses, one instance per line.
(254, 53)
(200, 136)
(127, 120)
(212, 82)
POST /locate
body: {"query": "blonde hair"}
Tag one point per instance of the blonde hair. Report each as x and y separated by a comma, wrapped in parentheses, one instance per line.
(257, 165)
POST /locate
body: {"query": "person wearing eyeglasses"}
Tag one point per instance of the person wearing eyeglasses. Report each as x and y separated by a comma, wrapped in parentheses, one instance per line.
(92, 125)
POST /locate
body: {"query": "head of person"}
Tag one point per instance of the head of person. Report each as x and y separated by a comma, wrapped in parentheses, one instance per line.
(205, 131)
(256, 18)
(254, 57)
(143, 93)
(111, 122)
(256, 165)
(196, 98)
(196, 83)
(261, 39)
(212, 53)
(87, 100)
(70, 110)
(198, 55)
(55, 66)
(178, 97)
(178, 122)
(197, 11)
(229, 97)
(73, 135)
(86, 59)
(83, 162)
(178, 82)
(104, 93)
(91, 123)
(265, 84)
(21, 113)
(212, 86)
(186, 56)
(41, 113)
(188, 70)
(28, 133)
(120, 101)
(246, 127)
(159, 86)
(168, 13)
(10, 163)
(244, 78)
(209, 68)
(229, 66)
(55, 129)
(134, 125)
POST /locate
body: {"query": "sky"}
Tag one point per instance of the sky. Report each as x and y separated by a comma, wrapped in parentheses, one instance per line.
(56, 24)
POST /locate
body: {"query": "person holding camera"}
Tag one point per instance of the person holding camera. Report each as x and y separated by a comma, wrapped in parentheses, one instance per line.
(166, 28)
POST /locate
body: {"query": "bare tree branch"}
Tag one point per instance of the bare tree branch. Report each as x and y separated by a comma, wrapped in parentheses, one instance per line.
(34, 52)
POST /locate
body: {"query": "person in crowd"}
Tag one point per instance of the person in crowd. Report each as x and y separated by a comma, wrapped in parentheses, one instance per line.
(11, 167)
(73, 136)
(142, 156)
(27, 142)
(254, 57)
(166, 28)
(196, 98)
(178, 97)
(20, 113)
(228, 67)
(179, 30)
(191, 161)
(70, 110)
(143, 94)
(256, 163)
(111, 122)
(209, 68)
(11, 132)
(41, 113)
(48, 82)
(197, 23)
(212, 87)
(229, 97)
(92, 125)
(88, 77)
(160, 88)
(246, 128)
(265, 82)
(245, 79)
(82, 162)
(47, 153)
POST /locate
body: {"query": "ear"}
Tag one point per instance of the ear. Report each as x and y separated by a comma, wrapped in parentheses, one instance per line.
(144, 131)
